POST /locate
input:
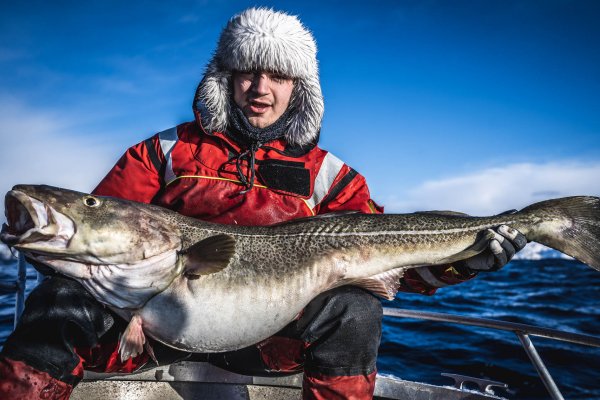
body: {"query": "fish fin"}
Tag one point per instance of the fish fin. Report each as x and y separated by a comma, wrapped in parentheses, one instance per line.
(445, 213)
(385, 284)
(131, 342)
(208, 256)
(570, 225)
(481, 243)
(150, 352)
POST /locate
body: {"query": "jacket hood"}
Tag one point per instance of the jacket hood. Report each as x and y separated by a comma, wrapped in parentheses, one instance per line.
(263, 39)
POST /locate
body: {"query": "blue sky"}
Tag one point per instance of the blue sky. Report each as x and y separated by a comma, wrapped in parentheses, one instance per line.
(476, 106)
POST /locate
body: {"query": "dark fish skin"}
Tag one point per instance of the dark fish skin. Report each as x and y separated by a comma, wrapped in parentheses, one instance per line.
(260, 277)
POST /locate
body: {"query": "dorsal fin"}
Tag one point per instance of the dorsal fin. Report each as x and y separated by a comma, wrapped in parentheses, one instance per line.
(446, 213)
(384, 285)
(208, 256)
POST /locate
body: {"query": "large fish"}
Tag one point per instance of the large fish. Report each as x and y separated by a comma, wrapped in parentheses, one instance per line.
(205, 287)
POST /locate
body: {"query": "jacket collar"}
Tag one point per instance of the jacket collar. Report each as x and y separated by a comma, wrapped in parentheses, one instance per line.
(279, 145)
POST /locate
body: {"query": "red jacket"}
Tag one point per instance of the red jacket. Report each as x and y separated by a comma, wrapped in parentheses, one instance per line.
(196, 174)
(199, 179)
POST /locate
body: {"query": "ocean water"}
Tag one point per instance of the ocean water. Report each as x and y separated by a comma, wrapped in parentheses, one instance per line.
(553, 293)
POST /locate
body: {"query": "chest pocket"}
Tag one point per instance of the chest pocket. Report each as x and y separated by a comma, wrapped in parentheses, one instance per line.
(287, 176)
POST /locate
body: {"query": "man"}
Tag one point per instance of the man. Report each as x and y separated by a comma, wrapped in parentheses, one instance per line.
(250, 157)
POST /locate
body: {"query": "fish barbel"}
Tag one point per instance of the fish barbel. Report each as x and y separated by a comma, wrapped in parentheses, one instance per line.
(204, 287)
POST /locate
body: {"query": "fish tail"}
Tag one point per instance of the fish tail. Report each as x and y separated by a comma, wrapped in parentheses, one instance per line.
(570, 225)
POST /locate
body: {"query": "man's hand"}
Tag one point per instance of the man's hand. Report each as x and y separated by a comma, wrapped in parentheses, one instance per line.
(506, 243)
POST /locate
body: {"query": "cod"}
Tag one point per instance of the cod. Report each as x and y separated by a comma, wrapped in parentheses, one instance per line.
(204, 287)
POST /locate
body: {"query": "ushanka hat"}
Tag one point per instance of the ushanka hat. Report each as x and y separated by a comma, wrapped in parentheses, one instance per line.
(260, 39)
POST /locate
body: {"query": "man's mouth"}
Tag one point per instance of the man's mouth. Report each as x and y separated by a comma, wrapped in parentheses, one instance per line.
(258, 107)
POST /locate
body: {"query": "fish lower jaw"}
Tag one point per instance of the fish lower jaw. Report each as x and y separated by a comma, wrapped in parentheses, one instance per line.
(43, 242)
(32, 238)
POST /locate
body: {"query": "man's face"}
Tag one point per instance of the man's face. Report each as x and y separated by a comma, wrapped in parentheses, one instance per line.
(262, 96)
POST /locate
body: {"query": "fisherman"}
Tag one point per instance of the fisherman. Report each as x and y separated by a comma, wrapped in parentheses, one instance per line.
(250, 157)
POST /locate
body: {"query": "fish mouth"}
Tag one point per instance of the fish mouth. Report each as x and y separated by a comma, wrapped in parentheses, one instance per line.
(33, 224)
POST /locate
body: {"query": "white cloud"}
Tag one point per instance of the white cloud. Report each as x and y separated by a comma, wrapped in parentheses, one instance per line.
(44, 146)
(494, 190)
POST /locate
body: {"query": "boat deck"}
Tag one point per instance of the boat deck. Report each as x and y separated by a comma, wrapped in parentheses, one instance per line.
(198, 380)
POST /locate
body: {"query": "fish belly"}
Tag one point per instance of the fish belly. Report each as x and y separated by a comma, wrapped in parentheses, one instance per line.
(207, 318)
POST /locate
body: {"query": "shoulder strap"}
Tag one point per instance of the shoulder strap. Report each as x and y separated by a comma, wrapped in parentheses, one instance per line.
(330, 168)
(341, 185)
(153, 156)
(167, 140)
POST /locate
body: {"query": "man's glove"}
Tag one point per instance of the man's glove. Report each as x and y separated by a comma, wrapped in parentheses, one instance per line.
(506, 242)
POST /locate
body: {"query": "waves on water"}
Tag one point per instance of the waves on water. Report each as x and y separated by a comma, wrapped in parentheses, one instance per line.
(553, 293)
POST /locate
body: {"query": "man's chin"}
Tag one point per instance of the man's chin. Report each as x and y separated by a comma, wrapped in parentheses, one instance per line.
(259, 122)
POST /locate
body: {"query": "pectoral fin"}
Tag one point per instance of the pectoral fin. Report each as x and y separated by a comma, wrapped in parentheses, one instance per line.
(384, 285)
(480, 245)
(208, 256)
(131, 342)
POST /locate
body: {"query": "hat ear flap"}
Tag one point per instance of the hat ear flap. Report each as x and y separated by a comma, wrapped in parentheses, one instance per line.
(212, 98)
(305, 123)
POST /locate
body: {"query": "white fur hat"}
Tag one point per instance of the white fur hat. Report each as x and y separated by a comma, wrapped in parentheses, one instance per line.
(263, 39)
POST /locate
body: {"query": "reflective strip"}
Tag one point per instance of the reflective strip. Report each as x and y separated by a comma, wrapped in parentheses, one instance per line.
(215, 178)
(312, 212)
(427, 275)
(372, 207)
(168, 139)
(256, 185)
(330, 168)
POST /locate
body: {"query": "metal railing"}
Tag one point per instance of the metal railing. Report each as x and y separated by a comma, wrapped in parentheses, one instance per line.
(521, 330)
(18, 287)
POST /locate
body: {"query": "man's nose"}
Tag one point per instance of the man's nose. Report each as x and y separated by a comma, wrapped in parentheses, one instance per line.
(260, 83)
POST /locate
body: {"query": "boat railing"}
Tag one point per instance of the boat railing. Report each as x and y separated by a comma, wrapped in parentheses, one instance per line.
(18, 287)
(522, 331)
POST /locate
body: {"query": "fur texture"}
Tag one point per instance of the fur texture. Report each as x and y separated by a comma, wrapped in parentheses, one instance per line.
(263, 39)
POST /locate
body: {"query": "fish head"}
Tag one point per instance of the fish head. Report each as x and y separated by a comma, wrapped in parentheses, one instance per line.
(45, 221)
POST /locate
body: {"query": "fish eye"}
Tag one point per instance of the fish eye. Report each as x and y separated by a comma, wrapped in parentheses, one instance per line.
(91, 201)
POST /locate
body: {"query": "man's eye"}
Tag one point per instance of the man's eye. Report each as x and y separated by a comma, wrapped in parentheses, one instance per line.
(279, 78)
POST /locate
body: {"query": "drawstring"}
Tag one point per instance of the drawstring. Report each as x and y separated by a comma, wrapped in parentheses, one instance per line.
(242, 131)
(250, 154)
